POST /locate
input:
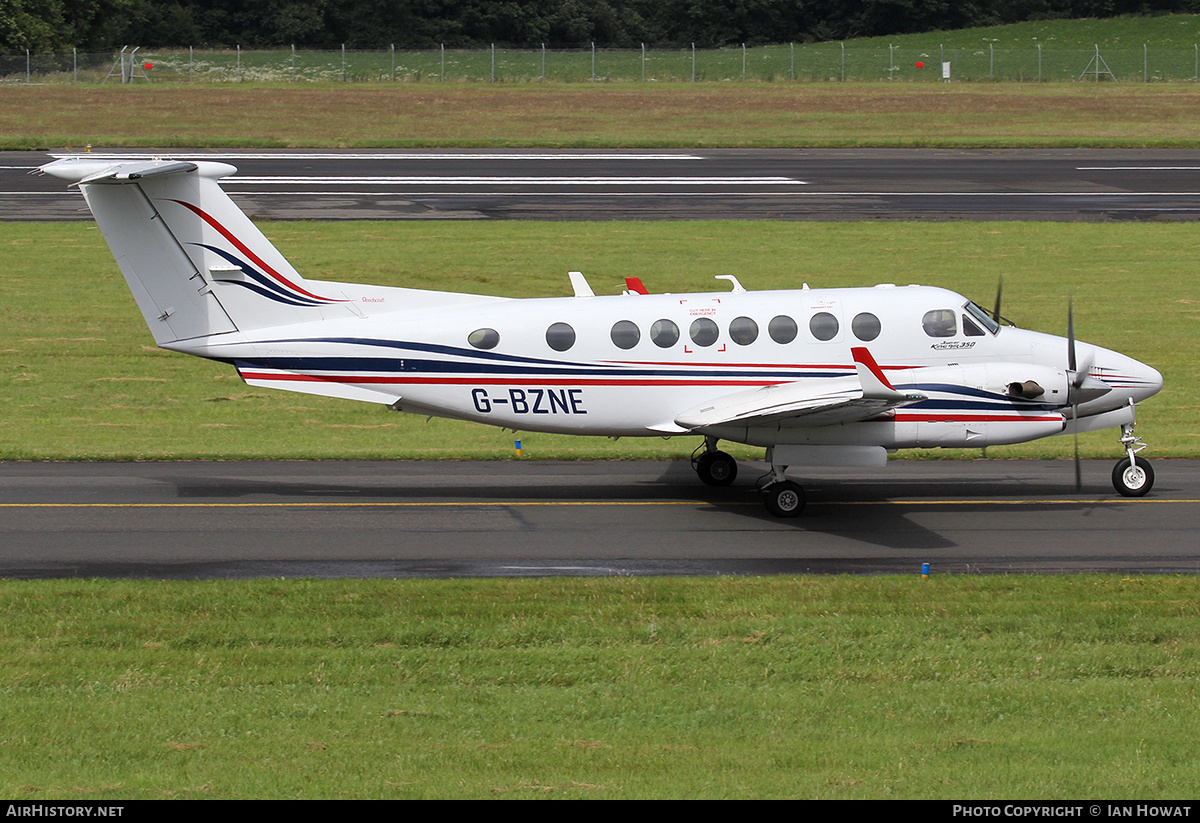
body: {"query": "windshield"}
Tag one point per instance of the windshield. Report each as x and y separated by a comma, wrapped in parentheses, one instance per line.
(982, 316)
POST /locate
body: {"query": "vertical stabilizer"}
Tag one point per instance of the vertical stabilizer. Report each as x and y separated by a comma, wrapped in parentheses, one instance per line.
(196, 264)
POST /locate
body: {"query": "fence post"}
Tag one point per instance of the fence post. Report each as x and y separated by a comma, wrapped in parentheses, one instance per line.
(891, 62)
(991, 61)
(493, 62)
(593, 61)
(392, 51)
(1145, 63)
(1039, 62)
(293, 62)
(191, 65)
(543, 62)
(74, 66)
(743, 62)
(343, 62)
(442, 76)
(843, 62)
(694, 62)
(792, 63)
(239, 63)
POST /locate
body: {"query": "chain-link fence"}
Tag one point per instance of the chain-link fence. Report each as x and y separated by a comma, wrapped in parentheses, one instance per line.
(807, 62)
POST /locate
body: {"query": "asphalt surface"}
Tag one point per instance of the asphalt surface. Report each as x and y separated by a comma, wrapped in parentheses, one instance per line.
(771, 184)
(527, 518)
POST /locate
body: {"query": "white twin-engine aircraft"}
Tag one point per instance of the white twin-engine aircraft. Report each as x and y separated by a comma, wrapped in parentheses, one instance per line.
(818, 377)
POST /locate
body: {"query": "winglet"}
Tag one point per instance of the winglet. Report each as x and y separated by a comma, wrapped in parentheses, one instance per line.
(875, 384)
(869, 373)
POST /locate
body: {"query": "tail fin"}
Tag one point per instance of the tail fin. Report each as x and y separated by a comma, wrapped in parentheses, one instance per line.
(195, 263)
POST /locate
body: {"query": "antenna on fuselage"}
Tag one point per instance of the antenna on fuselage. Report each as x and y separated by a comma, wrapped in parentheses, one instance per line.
(580, 284)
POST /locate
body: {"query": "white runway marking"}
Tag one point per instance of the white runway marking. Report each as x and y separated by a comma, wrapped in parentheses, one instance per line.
(518, 181)
(1137, 168)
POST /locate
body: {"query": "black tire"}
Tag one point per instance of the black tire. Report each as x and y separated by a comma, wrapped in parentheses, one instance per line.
(1133, 480)
(716, 469)
(785, 499)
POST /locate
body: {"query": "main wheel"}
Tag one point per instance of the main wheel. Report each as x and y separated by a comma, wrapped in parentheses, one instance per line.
(785, 499)
(716, 468)
(1133, 479)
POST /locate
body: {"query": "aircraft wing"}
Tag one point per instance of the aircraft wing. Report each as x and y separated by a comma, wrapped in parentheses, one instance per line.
(815, 402)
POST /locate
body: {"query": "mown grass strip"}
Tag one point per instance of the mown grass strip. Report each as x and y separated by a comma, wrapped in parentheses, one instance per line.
(682, 115)
(952, 687)
(82, 380)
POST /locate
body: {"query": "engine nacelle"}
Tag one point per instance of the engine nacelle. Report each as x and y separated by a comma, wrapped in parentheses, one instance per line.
(1019, 382)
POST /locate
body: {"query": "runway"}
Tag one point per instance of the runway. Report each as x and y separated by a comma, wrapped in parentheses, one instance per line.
(198, 520)
(746, 184)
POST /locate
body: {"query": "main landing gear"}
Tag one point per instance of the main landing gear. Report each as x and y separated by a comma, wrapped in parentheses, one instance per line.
(783, 498)
(714, 467)
(1132, 476)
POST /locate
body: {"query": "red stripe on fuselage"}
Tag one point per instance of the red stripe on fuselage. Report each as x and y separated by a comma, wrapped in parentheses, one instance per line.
(501, 381)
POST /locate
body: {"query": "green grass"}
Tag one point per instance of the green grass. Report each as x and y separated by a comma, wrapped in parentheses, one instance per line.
(81, 378)
(1013, 687)
(682, 115)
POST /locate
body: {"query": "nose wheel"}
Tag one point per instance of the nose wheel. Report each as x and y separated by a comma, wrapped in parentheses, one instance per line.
(1132, 476)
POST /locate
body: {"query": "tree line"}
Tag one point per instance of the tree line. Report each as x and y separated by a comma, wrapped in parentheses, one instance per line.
(101, 25)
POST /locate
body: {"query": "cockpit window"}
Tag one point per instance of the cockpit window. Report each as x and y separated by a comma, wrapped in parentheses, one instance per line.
(982, 316)
(969, 327)
(940, 323)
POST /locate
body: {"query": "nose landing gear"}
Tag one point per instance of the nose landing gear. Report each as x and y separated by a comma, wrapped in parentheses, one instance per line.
(1132, 476)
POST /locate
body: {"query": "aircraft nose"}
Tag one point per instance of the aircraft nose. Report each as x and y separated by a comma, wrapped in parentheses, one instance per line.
(1131, 378)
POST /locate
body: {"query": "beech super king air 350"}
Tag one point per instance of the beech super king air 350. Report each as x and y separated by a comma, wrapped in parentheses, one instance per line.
(816, 376)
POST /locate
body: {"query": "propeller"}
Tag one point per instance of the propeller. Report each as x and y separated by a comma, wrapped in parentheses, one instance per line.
(1074, 377)
(996, 315)
(1082, 386)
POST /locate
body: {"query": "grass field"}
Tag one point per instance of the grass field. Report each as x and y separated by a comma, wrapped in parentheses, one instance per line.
(83, 379)
(681, 115)
(966, 688)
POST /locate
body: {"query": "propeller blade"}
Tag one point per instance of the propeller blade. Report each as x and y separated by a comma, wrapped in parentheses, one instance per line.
(999, 291)
(1071, 333)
